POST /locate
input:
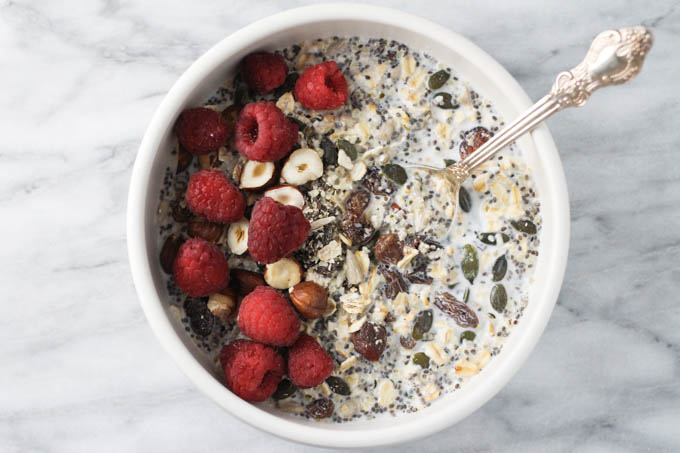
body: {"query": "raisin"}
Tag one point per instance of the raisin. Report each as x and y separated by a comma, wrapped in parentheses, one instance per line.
(376, 182)
(419, 273)
(407, 342)
(338, 385)
(358, 201)
(357, 229)
(394, 282)
(284, 390)
(461, 313)
(199, 227)
(389, 249)
(320, 408)
(169, 252)
(473, 139)
(200, 319)
(370, 341)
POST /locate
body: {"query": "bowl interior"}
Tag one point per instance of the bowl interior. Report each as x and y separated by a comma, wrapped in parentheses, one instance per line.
(486, 76)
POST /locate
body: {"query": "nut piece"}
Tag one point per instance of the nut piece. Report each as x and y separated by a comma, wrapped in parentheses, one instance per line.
(302, 166)
(257, 175)
(237, 236)
(202, 228)
(283, 274)
(310, 299)
(222, 304)
(169, 252)
(244, 282)
(288, 195)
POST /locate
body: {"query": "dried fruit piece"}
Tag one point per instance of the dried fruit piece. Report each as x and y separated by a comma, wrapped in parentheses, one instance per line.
(470, 263)
(498, 297)
(310, 299)
(473, 139)
(395, 172)
(419, 273)
(388, 249)
(358, 201)
(500, 267)
(421, 359)
(338, 385)
(169, 252)
(490, 238)
(464, 199)
(200, 319)
(525, 226)
(438, 79)
(357, 229)
(421, 324)
(284, 390)
(394, 282)
(244, 281)
(184, 159)
(374, 181)
(407, 342)
(320, 408)
(348, 148)
(202, 228)
(461, 313)
(370, 341)
(467, 335)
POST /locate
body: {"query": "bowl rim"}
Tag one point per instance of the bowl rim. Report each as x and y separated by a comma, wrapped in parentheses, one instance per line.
(141, 266)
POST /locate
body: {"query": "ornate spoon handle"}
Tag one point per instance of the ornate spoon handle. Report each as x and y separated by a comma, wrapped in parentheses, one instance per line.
(614, 57)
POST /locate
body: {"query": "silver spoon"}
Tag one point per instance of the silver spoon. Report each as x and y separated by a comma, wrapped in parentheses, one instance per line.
(614, 57)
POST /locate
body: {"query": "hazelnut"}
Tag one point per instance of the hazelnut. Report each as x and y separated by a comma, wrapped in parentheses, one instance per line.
(244, 281)
(222, 305)
(310, 299)
(283, 274)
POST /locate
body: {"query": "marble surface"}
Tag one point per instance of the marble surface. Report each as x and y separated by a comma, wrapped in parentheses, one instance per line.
(81, 371)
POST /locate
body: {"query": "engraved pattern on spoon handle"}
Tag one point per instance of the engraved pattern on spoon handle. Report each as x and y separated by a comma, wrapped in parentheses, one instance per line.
(614, 57)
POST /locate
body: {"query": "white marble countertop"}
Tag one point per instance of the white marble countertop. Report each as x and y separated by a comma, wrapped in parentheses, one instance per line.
(81, 371)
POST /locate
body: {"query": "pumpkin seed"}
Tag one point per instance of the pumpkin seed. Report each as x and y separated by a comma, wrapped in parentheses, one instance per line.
(466, 295)
(490, 238)
(464, 200)
(422, 324)
(330, 152)
(492, 316)
(500, 267)
(421, 359)
(525, 226)
(499, 298)
(348, 148)
(467, 335)
(438, 79)
(470, 263)
(284, 390)
(395, 172)
(449, 162)
(338, 385)
(444, 101)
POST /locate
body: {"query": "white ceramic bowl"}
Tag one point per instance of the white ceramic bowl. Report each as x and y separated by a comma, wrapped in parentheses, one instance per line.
(277, 31)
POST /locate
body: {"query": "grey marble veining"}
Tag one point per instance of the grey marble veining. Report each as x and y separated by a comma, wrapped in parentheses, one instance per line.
(81, 371)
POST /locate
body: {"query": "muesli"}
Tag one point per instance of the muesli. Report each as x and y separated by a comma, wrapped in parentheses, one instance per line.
(407, 300)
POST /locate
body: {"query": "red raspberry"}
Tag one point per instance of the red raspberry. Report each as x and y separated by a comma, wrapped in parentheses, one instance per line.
(264, 71)
(322, 87)
(275, 230)
(266, 316)
(210, 194)
(251, 370)
(202, 130)
(200, 268)
(308, 363)
(263, 132)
